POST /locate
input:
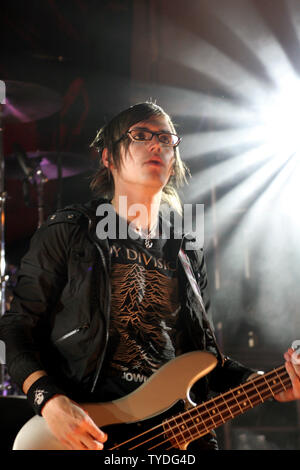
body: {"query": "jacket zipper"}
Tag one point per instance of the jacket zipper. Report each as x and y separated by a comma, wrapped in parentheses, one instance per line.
(76, 330)
(204, 315)
(71, 333)
(100, 362)
(101, 359)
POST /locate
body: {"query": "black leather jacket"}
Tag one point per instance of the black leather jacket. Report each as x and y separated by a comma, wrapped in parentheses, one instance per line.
(59, 316)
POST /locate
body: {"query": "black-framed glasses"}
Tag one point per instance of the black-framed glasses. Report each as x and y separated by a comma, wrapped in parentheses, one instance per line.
(144, 135)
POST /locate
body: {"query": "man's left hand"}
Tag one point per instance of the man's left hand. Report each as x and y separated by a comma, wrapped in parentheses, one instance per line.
(292, 366)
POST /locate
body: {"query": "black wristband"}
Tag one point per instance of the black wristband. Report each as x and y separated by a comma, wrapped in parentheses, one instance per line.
(41, 391)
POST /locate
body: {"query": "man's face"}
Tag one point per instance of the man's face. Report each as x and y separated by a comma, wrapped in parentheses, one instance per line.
(148, 163)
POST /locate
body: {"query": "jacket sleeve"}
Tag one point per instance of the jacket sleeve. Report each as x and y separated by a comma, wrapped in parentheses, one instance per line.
(41, 277)
(231, 373)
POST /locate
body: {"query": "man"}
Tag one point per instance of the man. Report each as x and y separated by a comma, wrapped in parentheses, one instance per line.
(94, 315)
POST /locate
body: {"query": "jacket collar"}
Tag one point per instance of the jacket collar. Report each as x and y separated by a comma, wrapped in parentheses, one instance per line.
(171, 225)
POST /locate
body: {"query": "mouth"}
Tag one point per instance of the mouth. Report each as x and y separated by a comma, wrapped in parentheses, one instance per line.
(155, 161)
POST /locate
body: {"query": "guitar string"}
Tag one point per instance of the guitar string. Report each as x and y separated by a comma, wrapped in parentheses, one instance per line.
(196, 409)
(176, 426)
(219, 401)
(197, 434)
(261, 380)
(216, 420)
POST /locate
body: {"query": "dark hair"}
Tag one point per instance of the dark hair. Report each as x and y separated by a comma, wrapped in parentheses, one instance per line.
(110, 137)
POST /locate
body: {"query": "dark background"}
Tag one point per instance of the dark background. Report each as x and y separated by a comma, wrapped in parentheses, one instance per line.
(208, 64)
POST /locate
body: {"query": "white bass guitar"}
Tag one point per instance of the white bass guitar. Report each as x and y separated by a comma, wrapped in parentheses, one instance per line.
(160, 415)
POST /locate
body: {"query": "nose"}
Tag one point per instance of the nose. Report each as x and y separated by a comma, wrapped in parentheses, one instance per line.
(155, 141)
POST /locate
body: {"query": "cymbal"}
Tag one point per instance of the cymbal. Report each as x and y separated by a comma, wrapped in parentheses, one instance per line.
(26, 102)
(71, 164)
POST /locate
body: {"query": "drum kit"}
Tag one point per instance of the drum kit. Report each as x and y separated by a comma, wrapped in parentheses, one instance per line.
(24, 103)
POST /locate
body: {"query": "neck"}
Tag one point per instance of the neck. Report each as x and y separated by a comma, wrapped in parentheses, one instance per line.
(139, 208)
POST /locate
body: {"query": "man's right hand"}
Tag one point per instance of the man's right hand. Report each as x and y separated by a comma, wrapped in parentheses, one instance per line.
(71, 425)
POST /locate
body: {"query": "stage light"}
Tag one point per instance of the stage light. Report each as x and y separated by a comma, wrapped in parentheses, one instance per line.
(280, 120)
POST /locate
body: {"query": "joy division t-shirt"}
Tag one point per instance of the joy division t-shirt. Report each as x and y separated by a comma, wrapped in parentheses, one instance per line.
(143, 331)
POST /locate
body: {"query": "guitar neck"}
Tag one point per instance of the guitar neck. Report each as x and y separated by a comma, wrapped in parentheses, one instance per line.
(198, 421)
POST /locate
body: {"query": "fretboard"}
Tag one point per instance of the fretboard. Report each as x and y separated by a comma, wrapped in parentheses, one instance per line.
(201, 419)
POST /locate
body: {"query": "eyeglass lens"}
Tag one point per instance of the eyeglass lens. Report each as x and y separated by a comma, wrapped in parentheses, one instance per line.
(143, 135)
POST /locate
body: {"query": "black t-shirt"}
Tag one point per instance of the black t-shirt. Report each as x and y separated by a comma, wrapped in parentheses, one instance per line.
(143, 331)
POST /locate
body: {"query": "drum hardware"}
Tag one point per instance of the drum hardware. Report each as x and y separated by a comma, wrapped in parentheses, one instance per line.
(6, 387)
(36, 168)
(3, 276)
(3, 196)
(72, 164)
(23, 102)
(27, 102)
(33, 175)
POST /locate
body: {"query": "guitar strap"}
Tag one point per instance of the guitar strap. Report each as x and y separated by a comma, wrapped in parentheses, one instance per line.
(185, 261)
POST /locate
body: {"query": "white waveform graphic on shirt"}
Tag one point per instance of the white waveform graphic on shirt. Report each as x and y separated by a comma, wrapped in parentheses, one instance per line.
(145, 306)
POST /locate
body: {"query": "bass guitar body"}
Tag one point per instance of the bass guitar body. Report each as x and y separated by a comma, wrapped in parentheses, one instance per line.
(143, 420)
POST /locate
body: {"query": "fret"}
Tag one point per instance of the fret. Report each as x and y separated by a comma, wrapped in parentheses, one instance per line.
(242, 398)
(221, 410)
(181, 429)
(263, 388)
(226, 403)
(194, 425)
(212, 411)
(248, 401)
(261, 398)
(267, 382)
(240, 410)
(200, 420)
(274, 382)
(212, 416)
(262, 391)
(280, 380)
(169, 430)
(184, 430)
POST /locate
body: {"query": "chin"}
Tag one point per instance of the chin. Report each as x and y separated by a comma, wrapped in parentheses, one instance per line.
(157, 183)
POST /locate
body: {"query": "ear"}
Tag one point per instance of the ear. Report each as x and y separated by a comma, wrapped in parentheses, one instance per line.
(105, 159)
